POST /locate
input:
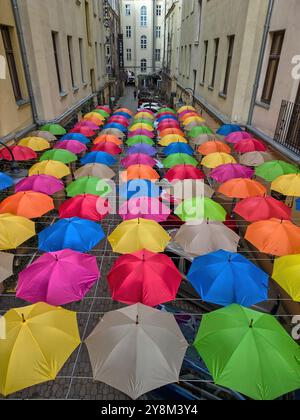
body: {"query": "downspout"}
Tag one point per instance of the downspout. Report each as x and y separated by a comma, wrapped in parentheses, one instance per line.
(21, 39)
(153, 36)
(261, 60)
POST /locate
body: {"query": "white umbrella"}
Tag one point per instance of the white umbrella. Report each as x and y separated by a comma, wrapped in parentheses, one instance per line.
(6, 265)
(44, 135)
(95, 170)
(136, 350)
(255, 158)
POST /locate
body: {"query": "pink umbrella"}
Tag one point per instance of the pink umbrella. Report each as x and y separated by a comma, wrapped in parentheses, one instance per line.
(119, 120)
(87, 124)
(230, 171)
(238, 136)
(85, 206)
(146, 208)
(107, 147)
(58, 278)
(250, 145)
(85, 131)
(138, 159)
(72, 146)
(44, 184)
(168, 124)
(146, 133)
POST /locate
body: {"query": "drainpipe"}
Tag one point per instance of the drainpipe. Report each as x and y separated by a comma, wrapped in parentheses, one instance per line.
(153, 35)
(261, 60)
(24, 55)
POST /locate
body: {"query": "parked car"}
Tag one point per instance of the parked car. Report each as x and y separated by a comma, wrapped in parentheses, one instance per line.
(152, 106)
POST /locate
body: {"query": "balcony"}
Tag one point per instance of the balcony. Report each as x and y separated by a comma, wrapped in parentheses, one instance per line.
(288, 127)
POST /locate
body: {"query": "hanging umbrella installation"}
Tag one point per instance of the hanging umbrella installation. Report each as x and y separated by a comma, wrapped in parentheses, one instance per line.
(138, 159)
(183, 172)
(17, 153)
(63, 156)
(55, 129)
(99, 157)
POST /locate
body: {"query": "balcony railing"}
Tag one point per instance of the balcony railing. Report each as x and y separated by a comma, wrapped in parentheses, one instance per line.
(288, 127)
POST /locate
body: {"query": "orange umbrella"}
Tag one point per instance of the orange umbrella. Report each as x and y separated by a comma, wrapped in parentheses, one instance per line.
(214, 147)
(170, 131)
(95, 120)
(27, 204)
(107, 138)
(242, 188)
(126, 110)
(140, 172)
(275, 237)
(189, 115)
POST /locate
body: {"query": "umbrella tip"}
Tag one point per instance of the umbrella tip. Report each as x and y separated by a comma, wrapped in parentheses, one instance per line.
(137, 320)
(23, 319)
(251, 323)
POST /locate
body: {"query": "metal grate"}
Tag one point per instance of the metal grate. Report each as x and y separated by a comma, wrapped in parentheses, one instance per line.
(288, 127)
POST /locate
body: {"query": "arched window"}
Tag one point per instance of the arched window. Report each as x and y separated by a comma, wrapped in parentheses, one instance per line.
(144, 16)
(143, 65)
(143, 42)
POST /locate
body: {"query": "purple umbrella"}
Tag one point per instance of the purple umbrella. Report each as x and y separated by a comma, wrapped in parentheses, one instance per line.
(44, 184)
(72, 146)
(138, 159)
(141, 133)
(143, 149)
(231, 171)
(145, 208)
(58, 278)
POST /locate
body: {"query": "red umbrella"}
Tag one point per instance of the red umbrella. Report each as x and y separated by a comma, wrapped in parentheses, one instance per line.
(86, 206)
(256, 209)
(119, 120)
(138, 159)
(144, 277)
(85, 131)
(104, 108)
(168, 124)
(20, 153)
(182, 172)
(88, 124)
(250, 145)
(107, 147)
(72, 146)
(143, 132)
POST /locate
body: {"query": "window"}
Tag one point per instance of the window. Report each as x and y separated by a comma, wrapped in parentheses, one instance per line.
(11, 62)
(129, 54)
(71, 60)
(56, 58)
(229, 62)
(157, 55)
(143, 66)
(217, 42)
(158, 31)
(81, 54)
(144, 16)
(274, 59)
(127, 9)
(158, 10)
(205, 61)
(128, 31)
(143, 42)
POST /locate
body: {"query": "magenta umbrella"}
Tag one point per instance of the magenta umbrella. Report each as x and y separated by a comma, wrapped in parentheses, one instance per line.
(146, 208)
(44, 184)
(146, 133)
(72, 146)
(87, 124)
(119, 120)
(250, 145)
(138, 159)
(58, 278)
(236, 137)
(231, 171)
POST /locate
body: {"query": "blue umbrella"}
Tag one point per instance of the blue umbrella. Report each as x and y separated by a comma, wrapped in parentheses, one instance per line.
(98, 157)
(116, 126)
(167, 117)
(224, 278)
(142, 148)
(75, 233)
(174, 148)
(227, 129)
(139, 188)
(5, 181)
(76, 136)
(122, 114)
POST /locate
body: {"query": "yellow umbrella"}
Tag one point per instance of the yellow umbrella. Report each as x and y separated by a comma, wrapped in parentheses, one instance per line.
(172, 138)
(38, 144)
(94, 115)
(14, 231)
(39, 340)
(186, 108)
(50, 167)
(287, 274)
(144, 115)
(136, 127)
(194, 119)
(288, 185)
(214, 160)
(135, 235)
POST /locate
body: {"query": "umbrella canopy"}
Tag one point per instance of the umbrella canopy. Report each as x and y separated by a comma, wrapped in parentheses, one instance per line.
(186, 108)
(109, 148)
(88, 185)
(125, 110)
(187, 113)
(250, 145)
(104, 112)
(37, 144)
(63, 156)
(179, 159)
(140, 172)
(58, 278)
(255, 209)
(224, 173)
(51, 168)
(203, 138)
(76, 136)
(170, 139)
(99, 157)
(113, 132)
(27, 204)
(144, 277)
(143, 132)
(288, 185)
(44, 135)
(96, 170)
(286, 274)
(257, 357)
(142, 148)
(55, 129)
(197, 131)
(138, 159)
(139, 188)
(72, 146)
(6, 265)
(183, 172)
(204, 238)
(107, 138)
(14, 231)
(275, 237)
(95, 115)
(20, 153)
(104, 108)
(199, 208)
(143, 114)
(168, 124)
(145, 208)
(213, 147)
(242, 188)
(189, 188)
(254, 159)
(88, 124)
(39, 341)
(237, 136)
(44, 184)
(193, 119)
(145, 121)
(139, 140)
(134, 235)
(75, 233)
(214, 160)
(119, 120)
(5, 181)
(180, 148)
(128, 336)
(86, 206)
(116, 126)
(170, 131)
(224, 278)
(85, 131)
(270, 171)
(227, 129)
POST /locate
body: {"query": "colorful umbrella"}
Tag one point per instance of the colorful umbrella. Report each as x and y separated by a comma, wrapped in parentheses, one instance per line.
(134, 235)
(138, 159)
(98, 157)
(113, 132)
(254, 159)
(95, 170)
(286, 274)
(237, 136)
(186, 108)
(106, 138)
(190, 188)
(199, 208)
(55, 129)
(5, 181)
(88, 124)
(104, 108)
(6, 266)
(257, 357)
(166, 109)
(125, 110)
(250, 145)
(50, 167)
(14, 231)
(197, 131)
(157, 283)
(75, 233)
(76, 136)
(288, 185)
(44, 184)
(242, 188)
(88, 185)
(142, 148)
(170, 139)
(224, 173)
(255, 209)
(119, 120)
(178, 148)
(86, 206)
(145, 121)
(116, 126)
(227, 129)
(72, 146)
(270, 171)
(37, 144)
(39, 341)
(27, 204)
(143, 114)
(214, 160)
(168, 124)
(85, 131)
(224, 278)
(275, 237)
(140, 172)
(179, 159)
(20, 153)
(213, 147)
(170, 131)
(144, 132)
(193, 119)
(145, 208)
(139, 140)
(63, 156)
(139, 188)
(109, 148)
(44, 135)
(102, 112)
(203, 138)
(95, 115)
(58, 278)
(182, 172)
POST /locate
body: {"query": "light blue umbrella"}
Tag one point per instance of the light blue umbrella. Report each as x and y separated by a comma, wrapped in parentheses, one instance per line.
(139, 188)
(98, 157)
(142, 148)
(5, 181)
(227, 129)
(76, 136)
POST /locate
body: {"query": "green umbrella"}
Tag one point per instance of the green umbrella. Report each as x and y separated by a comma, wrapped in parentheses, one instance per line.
(102, 112)
(270, 171)
(142, 121)
(55, 129)
(63, 156)
(198, 131)
(179, 159)
(139, 140)
(201, 208)
(170, 110)
(249, 352)
(89, 185)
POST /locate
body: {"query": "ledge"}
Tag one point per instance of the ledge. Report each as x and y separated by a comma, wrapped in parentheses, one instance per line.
(263, 105)
(223, 95)
(211, 88)
(23, 102)
(63, 94)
